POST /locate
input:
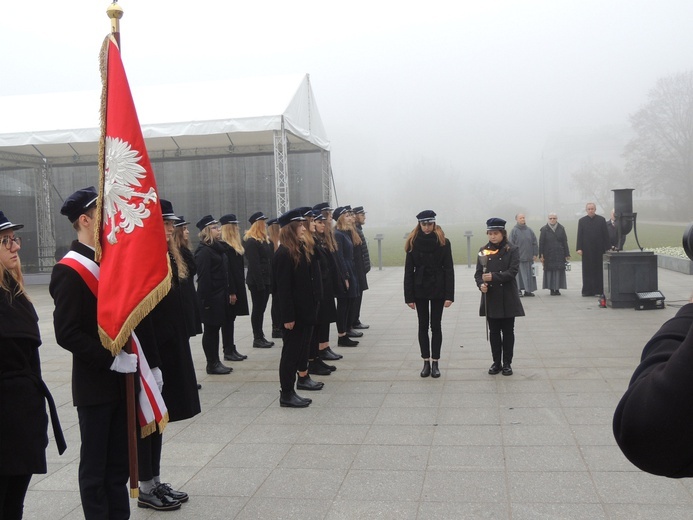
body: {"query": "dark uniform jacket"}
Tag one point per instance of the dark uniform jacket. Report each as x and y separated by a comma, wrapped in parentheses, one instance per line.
(259, 256)
(503, 296)
(329, 278)
(298, 288)
(653, 423)
(23, 394)
(74, 320)
(212, 281)
(193, 315)
(236, 281)
(428, 270)
(345, 256)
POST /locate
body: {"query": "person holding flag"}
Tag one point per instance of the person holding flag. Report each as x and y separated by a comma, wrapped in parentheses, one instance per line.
(97, 376)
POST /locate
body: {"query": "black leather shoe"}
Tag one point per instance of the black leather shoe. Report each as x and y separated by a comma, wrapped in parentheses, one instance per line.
(261, 343)
(218, 369)
(434, 369)
(360, 325)
(158, 500)
(528, 294)
(292, 401)
(306, 383)
(351, 333)
(346, 341)
(426, 371)
(557, 292)
(301, 398)
(495, 369)
(234, 356)
(181, 496)
(199, 386)
(329, 355)
(318, 369)
(271, 343)
(507, 370)
(320, 362)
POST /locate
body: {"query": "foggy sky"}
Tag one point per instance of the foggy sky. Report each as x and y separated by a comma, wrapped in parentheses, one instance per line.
(427, 104)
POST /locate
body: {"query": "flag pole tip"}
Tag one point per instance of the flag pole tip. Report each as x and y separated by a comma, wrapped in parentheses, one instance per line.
(114, 11)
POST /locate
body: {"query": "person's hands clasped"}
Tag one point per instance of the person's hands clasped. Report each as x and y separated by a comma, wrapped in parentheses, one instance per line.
(483, 287)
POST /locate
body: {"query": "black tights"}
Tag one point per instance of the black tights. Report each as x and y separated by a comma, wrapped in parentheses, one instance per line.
(433, 316)
(257, 314)
(502, 336)
(12, 492)
(343, 312)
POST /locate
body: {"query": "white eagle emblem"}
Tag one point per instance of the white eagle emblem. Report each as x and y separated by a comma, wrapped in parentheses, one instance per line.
(122, 178)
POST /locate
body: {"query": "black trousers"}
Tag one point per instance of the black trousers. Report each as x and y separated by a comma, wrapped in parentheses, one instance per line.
(149, 455)
(103, 461)
(355, 311)
(12, 492)
(343, 313)
(228, 330)
(430, 313)
(257, 314)
(502, 337)
(294, 355)
(324, 332)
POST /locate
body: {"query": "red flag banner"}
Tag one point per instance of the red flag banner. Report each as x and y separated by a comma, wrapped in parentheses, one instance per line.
(131, 243)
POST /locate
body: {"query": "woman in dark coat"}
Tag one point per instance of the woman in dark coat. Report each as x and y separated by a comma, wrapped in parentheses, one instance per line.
(258, 253)
(212, 290)
(429, 285)
(193, 316)
(345, 235)
(231, 236)
(299, 291)
(23, 394)
(553, 254)
(496, 269)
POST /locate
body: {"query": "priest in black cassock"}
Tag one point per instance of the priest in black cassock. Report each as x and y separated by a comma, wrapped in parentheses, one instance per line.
(592, 243)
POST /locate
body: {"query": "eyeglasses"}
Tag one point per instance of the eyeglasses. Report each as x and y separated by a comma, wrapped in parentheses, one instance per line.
(429, 223)
(7, 241)
(553, 218)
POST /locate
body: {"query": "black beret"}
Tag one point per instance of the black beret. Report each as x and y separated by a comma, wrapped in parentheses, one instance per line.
(5, 224)
(323, 206)
(80, 201)
(305, 211)
(258, 215)
(317, 215)
(167, 210)
(205, 221)
(338, 212)
(495, 223)
(426, 215)
(293, 215)
(229, 218)
(181, 222)
(272, 222)
(359, 209)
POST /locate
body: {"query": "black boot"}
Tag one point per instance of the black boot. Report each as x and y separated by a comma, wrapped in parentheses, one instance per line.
(329, 355)
(317, 367)
(507, 369)
(495, 369)
(306, 383)
(291, 400)
(234, 355)
(434, 368)
(426, 371)
(217, 368)
(301, 398)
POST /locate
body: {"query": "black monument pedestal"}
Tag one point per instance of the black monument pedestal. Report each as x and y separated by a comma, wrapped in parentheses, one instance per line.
(627, 273)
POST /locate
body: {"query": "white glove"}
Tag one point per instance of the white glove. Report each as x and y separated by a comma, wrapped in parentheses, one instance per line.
(158, 377)
(124, 363)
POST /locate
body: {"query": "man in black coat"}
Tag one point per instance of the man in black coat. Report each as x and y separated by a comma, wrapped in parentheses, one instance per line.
(363, 267)
(592, 243)
(98, 384)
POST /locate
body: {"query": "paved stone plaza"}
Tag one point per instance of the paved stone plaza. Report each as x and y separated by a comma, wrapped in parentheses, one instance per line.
(381, 442)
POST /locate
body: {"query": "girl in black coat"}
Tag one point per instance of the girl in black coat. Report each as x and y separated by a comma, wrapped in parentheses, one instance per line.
(258, 253)
(212, 290)
(231, 236)
(345, 236)
(496, 268)
(23, 394)
(429, 285)
(181, 241)
(299, 291)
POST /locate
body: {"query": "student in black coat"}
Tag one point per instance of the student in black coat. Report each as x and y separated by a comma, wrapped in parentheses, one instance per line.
(213, 290)
(258, 252)
(23, 394)
(346, 237)
(181, 241)
(98, 383)
(231, 236)
(299, 291)
(653, 424)
(429, 285)
(495, 276)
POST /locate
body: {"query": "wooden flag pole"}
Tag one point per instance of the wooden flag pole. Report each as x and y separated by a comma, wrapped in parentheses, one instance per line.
(115, 13)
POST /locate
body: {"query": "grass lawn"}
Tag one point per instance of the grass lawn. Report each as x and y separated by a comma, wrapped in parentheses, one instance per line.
(651, 235)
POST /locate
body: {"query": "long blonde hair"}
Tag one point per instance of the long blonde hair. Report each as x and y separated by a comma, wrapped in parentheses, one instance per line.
(206, 235)
(16, 274)
(343, 225)
(232, 236)
(174, 249)
(258, 231)
(273, 233)
(409, 243)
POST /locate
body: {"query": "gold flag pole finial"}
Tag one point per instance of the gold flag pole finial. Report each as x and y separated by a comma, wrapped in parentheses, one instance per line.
(115, 13)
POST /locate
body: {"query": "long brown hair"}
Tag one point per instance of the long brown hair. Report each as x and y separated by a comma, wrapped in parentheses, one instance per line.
(409, 243)
(343, 225)
(308, 240)
(232, 236)
(273, 233)
(330, 241)
(289, 238)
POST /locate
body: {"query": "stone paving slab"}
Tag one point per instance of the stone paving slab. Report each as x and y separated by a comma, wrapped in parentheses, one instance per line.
(380, 442)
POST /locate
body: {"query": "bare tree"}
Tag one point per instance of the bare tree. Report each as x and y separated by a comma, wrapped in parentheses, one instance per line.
(596, 180)
(661, 154)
